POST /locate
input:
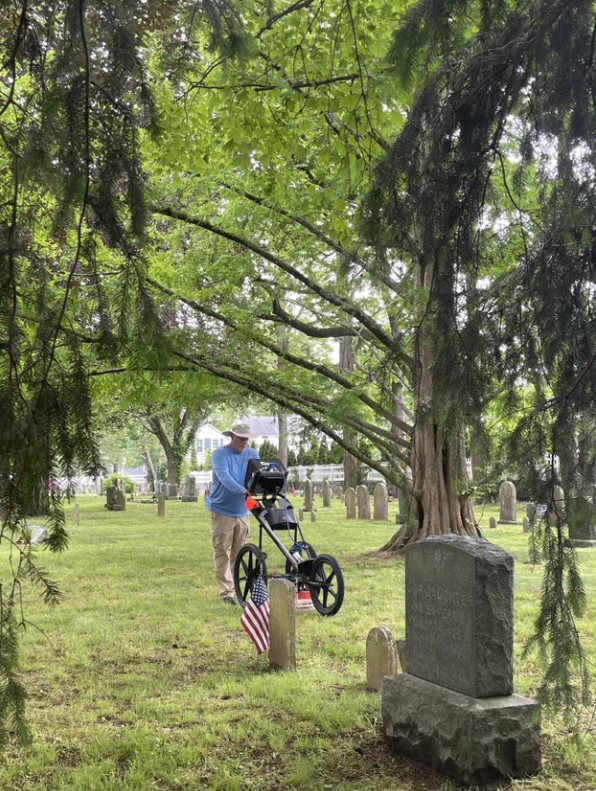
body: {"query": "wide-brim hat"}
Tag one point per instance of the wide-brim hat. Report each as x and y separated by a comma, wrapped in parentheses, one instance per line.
(241, 428)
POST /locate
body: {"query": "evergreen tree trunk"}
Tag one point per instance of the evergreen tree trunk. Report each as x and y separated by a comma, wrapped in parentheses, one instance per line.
(38, 502)
(440, 501)
(403, 493)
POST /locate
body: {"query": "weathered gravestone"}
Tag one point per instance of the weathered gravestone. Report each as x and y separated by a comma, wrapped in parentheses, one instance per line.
(111, 497)
(120, 501)
(326, 494)
(454, 707)
(189, 490)
(507, 504)
(282, 624)
(363, 502)
(492, 523)
(171, 491)
(380, 503)
(350, 503)
(526, 525)
(308, 493)
(161, 504)
(381, 657)
(581, 522)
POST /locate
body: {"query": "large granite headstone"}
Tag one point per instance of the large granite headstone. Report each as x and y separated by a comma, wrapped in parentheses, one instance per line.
(507, 504)
(459, 615)
(454, 707)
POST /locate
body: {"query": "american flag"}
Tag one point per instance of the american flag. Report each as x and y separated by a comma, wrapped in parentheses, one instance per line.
(255, 618)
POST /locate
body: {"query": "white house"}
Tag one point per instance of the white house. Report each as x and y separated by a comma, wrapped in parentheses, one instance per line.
(208, 438)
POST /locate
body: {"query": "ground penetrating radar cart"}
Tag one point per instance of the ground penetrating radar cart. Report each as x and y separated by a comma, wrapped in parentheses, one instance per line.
(320, 575)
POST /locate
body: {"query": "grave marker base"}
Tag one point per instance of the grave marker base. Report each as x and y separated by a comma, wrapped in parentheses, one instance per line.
(471, 740)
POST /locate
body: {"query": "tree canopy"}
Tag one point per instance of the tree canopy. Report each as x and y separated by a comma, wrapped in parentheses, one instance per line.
(378, 216)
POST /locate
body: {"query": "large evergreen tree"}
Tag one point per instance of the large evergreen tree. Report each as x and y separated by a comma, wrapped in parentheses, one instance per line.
(73, 99)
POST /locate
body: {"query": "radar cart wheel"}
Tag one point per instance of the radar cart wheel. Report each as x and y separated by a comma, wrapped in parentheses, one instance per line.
(249, 566)
(326, 585)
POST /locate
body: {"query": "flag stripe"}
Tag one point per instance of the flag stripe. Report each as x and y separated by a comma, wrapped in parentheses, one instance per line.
(256, 622)
(255, 618)
(258, 626)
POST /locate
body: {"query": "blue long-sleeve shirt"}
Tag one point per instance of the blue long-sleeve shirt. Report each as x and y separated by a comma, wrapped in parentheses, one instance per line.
(226, 495)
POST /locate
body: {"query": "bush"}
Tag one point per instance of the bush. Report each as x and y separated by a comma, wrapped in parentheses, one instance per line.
(112, 480)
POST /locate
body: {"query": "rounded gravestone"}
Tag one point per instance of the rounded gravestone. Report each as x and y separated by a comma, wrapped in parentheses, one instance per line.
(507, 504)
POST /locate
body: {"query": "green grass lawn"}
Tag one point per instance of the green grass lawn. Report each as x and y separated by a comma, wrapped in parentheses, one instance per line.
(141, 679)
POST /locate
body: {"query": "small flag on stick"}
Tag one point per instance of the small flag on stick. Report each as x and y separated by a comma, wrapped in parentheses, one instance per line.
(255, 618)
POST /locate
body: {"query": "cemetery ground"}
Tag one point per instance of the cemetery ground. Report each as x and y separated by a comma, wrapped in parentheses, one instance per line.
(141, 679)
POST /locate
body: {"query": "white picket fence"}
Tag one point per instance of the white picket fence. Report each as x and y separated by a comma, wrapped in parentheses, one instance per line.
(334, 473)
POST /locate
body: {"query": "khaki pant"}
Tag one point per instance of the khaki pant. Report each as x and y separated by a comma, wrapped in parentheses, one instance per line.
(228, 535)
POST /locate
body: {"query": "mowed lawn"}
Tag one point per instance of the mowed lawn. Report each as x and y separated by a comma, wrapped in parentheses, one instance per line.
(142, 679)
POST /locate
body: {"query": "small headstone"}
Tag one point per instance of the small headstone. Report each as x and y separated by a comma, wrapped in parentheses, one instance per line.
(507, 504)
(313, 515)
(77, 514)
(531, 513)
(526, 524)
(326, 494)
(363, 501)
(308, 493)
(282, 624)
(381, 503)
(350, 503)
(492, 523)
(161, 504)
(381, 657)
(189, 490)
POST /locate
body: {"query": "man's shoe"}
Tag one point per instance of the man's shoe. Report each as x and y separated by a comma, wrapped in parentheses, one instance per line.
(229, 600)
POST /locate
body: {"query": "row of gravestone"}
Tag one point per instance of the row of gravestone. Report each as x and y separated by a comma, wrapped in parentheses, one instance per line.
(357, 501)
(582, 533)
